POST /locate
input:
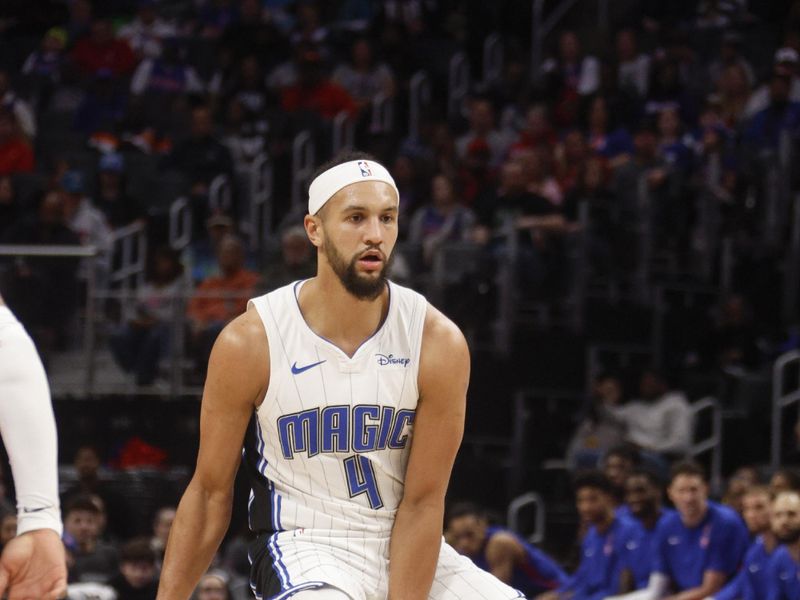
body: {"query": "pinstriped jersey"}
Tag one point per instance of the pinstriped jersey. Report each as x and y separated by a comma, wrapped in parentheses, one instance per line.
(328, 447)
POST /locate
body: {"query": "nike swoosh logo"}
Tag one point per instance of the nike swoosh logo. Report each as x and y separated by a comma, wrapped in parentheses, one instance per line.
(34, 510)
(297, 370)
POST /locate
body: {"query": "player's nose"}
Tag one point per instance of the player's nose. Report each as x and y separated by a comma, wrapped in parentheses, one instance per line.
(373, 233)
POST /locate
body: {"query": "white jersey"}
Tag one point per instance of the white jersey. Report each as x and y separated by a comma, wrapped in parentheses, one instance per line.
(327, 449)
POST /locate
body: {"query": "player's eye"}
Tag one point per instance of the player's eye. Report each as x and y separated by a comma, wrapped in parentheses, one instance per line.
(387, 218)
(356, 218)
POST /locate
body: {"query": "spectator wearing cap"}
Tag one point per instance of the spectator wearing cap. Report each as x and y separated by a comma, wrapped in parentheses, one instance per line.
(119, 208)
(45, 62)
(787, 64)
(88, 223)
(137, 577)
(100, 51)
(147, 31)
(314, 93)
(781, 115)
(16, 154)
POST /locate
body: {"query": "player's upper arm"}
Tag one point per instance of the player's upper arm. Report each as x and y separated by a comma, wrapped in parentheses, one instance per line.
(439, 422)
(502, 552)
(238, 374)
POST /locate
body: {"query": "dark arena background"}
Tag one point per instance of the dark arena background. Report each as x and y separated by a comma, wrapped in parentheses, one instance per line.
(604, 195)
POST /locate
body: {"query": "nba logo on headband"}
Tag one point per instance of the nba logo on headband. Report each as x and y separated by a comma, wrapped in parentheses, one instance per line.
(365, 170)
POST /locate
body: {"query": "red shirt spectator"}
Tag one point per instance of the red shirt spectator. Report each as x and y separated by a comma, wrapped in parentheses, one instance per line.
(315, 93)
(101, 51)
(16, 155)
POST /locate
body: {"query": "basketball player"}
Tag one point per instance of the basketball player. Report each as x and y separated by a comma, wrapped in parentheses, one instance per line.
(354, 391)
(32, 564)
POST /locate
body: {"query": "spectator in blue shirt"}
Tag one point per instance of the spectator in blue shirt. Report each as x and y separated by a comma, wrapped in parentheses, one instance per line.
(643, 501)
(751, 583)
(608, 546)
(782, 115)
(784, 573)
(699, 548)
(501, 552)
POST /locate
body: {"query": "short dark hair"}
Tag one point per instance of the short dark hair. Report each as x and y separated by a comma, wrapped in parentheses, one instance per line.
(651, 477)
(625, 451)
(463, 509)
(689, 468)
(791, 475)
(81, 502)
(341, 157)
(592, 479)
(137, 550)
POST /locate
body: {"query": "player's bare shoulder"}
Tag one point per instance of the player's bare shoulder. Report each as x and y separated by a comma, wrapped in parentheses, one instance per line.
(444, 353)
(241, 356)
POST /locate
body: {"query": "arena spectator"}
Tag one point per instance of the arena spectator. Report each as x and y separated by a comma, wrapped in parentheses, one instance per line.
(784, 570)
(91, 559)
(617, 465)
(569, 76)
(363, 77)
(540, 178)
(167, 74)
(100, 52)
(503, 553)
(603, 137)
(162, 523)
(218, 299)
(700, 547)
(214, 585)
(103, 107)
(137, 578)
(785, 479)
(314, 94)
(145, 338)
(119, 208)
(86, 462)
(752, 581)
(673, 147)
(245, 133)
(146, 33)
(781, 115)
(482, 127)
(632, 66)
(16, 154)
(88, 223)
(536, 132)
(254, 33)
(22, 111)
(249, 88)
(598, 429)
(43, 67)
(739, 483)
(215, 16)
(787, 62)
(32, 281)
(659, 421)
(730, 55)
(607, 548)
(442, 220)
(296, 262)
(643, 501)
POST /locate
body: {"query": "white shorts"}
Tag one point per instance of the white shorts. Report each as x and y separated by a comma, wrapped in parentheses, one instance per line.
(292, 561)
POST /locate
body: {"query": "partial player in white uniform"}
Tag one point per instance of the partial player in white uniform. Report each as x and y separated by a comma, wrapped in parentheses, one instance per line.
(32, 564)
(349, 392)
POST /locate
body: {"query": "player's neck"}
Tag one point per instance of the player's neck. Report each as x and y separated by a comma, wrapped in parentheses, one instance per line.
(335, 314)
(770, 541)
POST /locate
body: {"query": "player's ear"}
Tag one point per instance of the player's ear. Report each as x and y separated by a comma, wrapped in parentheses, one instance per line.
(313, 226)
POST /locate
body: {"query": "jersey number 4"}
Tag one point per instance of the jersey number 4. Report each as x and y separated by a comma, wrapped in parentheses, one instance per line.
(360, 475)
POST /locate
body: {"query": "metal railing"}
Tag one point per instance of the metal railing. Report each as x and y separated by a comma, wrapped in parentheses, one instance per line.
(382, 117)
(515, 508)
(419, 100)
(260, 180)
(791, 267)
(220, 195)
(129, 245)
(457, 85)
(644, 230)
(180, 224)
(782, 399)
(712, 443)
(85, 252)
(343, 132)
(302, 166)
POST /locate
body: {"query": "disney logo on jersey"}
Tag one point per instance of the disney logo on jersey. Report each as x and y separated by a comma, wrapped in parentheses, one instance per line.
(390, 359)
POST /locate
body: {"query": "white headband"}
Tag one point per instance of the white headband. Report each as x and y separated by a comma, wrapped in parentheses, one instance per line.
(334, 179)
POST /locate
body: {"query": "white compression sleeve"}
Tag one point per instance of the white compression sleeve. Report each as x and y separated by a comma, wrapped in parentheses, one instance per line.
(28, 428)
(656, 588)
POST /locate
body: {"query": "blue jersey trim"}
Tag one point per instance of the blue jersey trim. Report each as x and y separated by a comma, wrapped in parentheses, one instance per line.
(308, 585)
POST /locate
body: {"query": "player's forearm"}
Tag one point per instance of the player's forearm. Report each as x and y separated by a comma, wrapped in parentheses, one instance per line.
(26, 414)
(200, 524)
(698, 593)
(414, 551)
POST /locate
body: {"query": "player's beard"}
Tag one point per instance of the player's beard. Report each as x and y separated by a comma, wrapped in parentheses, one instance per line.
(790, 537)
(363, 288)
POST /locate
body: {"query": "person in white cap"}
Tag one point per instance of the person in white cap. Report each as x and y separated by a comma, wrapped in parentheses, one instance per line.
(349, 393)
(786, 60)
(32, 564)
